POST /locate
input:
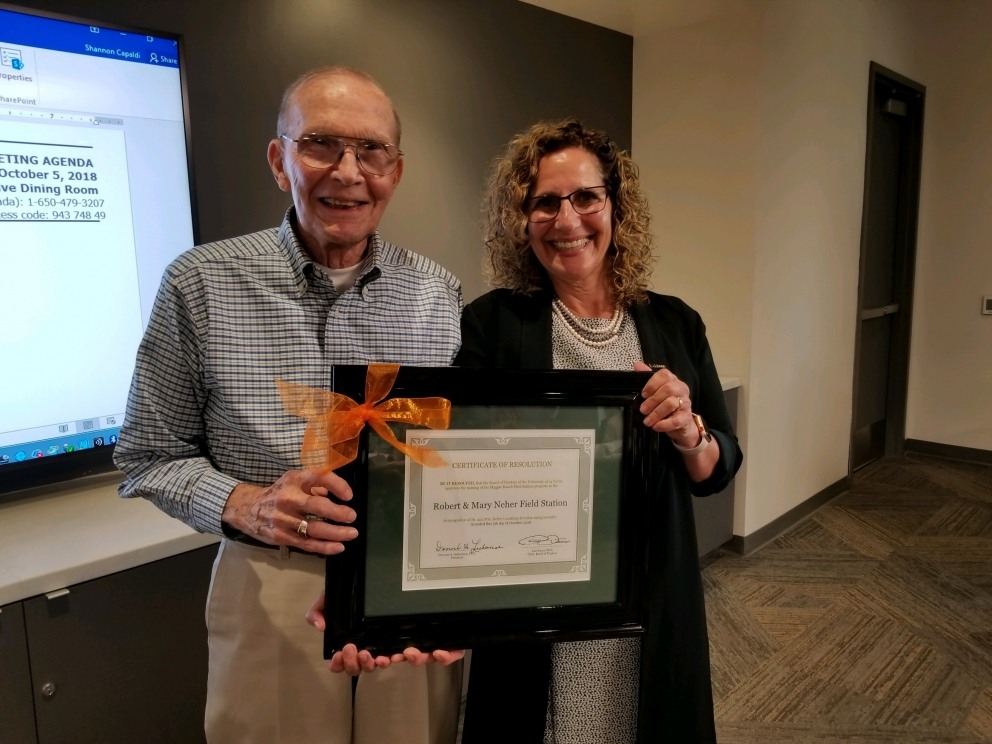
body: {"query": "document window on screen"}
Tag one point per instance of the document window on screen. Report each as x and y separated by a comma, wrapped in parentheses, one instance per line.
(95, 201)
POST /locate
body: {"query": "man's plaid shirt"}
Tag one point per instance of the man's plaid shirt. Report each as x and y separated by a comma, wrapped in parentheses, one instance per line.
(203, 413)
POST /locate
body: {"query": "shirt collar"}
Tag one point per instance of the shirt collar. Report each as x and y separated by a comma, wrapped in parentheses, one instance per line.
(302, 265)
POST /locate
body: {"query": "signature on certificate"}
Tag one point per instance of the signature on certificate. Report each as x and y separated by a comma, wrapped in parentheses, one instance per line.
(543, 540)
(475, 546)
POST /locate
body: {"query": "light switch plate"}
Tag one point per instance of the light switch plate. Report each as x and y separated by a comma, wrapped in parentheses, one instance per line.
(987, 305)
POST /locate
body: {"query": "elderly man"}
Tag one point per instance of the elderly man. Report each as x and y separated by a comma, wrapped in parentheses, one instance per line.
(207, 440)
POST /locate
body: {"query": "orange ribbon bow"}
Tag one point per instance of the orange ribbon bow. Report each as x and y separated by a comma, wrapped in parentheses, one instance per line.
(334, 421)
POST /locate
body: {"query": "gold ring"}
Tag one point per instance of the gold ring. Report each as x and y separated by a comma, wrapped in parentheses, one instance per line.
(302, 529)
(679, 399)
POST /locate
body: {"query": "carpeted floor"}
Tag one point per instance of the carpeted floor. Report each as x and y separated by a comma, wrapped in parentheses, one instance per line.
(868, 623)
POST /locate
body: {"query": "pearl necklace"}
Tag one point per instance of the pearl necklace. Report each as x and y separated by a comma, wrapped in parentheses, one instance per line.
(585, 333)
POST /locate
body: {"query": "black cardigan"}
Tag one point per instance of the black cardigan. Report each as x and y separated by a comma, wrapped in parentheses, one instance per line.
(508, 687)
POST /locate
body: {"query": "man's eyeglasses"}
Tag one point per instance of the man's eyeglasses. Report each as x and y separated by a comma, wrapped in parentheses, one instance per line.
(326, 150)
(584, 201)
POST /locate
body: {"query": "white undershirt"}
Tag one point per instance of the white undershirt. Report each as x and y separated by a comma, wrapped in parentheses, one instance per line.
(342, 279)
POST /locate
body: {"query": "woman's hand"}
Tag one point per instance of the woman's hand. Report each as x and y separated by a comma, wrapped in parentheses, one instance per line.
(667, 406)
(354, 662)
(667, 409)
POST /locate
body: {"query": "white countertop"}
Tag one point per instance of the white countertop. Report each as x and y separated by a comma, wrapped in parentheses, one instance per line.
(70, 535)
(76, 533)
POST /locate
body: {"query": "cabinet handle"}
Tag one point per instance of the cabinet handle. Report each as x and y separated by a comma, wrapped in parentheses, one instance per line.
(48, 690)
(57, 593)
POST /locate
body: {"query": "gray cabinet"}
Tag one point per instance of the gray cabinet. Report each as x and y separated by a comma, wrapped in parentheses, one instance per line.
(16, 708)
(121, 659)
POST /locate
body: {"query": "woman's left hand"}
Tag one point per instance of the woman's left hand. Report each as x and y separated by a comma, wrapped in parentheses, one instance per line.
(667, 406)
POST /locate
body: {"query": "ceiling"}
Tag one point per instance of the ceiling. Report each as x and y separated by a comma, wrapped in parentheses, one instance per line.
(642, 17)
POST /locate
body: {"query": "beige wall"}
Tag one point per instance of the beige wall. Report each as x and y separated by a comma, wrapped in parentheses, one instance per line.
(950, 372)
(695, 125)
(750, 130)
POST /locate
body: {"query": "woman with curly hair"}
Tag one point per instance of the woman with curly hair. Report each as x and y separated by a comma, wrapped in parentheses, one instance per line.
(569, 252)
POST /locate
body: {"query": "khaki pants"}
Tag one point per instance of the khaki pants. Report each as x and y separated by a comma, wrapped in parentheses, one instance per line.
(268, 682)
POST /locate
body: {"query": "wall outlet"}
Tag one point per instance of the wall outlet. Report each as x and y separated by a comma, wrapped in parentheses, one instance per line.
(987, 305)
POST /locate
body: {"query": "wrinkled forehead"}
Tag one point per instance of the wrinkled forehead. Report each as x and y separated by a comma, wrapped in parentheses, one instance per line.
(342, 104)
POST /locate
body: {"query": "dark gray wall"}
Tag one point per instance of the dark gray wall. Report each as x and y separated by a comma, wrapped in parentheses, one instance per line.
(464, 75)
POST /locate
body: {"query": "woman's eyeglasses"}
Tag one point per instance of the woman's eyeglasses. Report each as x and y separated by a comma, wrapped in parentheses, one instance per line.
(584, 201)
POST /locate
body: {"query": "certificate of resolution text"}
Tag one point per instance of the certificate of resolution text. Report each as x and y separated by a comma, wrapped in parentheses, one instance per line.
(510, 507)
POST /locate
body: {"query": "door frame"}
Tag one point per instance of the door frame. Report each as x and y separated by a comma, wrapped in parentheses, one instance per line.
(904, 276)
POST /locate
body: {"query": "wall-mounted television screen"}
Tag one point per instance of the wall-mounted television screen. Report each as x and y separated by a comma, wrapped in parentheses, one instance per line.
(95, 200)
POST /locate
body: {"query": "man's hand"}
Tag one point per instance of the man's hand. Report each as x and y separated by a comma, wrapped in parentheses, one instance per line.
(292, 511)
(354, 662)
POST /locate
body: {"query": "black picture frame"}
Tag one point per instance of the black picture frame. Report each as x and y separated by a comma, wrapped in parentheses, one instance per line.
(366, 604)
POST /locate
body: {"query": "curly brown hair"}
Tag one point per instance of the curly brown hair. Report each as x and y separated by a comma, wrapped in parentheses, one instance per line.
(511, 262)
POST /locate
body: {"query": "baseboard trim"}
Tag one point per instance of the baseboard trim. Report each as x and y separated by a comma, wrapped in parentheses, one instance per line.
(747, 544)
(948, 451)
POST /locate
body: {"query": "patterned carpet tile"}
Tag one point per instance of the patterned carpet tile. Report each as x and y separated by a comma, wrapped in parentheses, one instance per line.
(920, 688)
(815, 570)
(907, 474)
(784, 610)
(960, 517)
(894, 516)
(968, 558)
(743, 642)
(882, 496)
(765, 586)
(968, 653)
(772, 733)
(868, 623)
(910, 681)
(810, 535)
(964, 479)
(979, 723)
(982, 640)
(856, 669)
(776, 692)
(906, 680)
(786, 624)
(790, 596)
(976, 491)
(862, 535)
(920, 593)
(843, 638)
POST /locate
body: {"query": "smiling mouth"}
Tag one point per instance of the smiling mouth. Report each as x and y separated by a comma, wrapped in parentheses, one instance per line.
(340, 203)
(568, 245)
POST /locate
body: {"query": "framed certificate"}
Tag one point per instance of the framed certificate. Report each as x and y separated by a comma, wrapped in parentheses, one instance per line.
(530, 525)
